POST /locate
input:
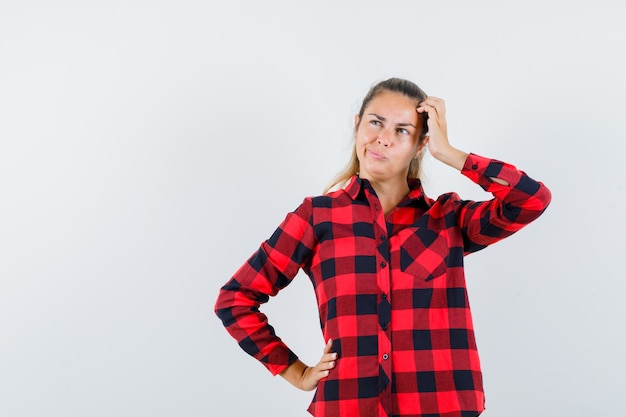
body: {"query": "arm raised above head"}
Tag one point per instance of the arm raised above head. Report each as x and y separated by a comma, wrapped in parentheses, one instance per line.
(518, 200)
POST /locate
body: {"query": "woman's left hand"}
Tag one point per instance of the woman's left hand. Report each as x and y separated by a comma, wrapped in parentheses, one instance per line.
(437, 125)
(438, 144)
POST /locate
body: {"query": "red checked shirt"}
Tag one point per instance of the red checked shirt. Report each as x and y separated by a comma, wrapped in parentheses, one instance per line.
(390, 289)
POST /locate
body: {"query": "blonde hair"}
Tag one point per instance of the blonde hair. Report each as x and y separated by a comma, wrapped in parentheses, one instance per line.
(396, 85)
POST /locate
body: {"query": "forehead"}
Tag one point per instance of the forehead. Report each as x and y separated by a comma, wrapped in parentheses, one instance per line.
(394, 106)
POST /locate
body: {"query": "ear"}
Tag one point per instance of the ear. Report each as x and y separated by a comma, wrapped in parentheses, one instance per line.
(356, 121)
(422, 145)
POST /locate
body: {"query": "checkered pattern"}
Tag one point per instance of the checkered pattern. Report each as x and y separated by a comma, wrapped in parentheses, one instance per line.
(391, 292)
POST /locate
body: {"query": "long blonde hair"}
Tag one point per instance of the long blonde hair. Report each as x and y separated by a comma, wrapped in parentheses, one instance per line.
(396, 85)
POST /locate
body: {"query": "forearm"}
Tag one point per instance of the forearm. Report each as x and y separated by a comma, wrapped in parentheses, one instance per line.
(294, 373)
(449, 155)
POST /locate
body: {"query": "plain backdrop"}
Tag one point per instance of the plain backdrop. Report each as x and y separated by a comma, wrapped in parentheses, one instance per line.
(148, 147)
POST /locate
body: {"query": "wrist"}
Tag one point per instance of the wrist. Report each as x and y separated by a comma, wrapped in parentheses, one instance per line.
(450, 156)
(302, 381)
(295, 374)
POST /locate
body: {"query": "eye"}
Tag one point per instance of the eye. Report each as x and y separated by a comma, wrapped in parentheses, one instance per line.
(375, 122)
(402, 131)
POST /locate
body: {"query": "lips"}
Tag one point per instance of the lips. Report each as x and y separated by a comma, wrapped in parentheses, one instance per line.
(374, 154)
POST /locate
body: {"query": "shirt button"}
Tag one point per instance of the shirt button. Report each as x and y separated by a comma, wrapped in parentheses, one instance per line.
(383, 237)
(474, 166)
(384, 327)
(384, 296)
(385, 356)
(383, 264)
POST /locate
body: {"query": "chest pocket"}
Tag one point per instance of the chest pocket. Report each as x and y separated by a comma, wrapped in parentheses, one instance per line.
(424, 252)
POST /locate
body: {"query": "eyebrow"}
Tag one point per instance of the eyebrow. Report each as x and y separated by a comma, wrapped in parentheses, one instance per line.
(397, 124)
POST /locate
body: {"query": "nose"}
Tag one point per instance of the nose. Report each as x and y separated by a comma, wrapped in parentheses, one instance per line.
(384, 138)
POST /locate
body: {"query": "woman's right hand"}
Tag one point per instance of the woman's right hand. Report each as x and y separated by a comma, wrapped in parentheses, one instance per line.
(305, 377)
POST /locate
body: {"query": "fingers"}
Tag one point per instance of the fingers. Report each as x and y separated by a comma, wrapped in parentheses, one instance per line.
(328, 360)
(311, 377)
(434, 106)
(434, 102)
(329, 346)
(328, 356)
(436, 110)
(323, 368)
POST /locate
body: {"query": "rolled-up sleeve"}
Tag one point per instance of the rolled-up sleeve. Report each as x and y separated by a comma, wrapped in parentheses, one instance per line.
(514, 205)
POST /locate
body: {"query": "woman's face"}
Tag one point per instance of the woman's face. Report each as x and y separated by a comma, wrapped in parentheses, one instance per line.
(387, 137)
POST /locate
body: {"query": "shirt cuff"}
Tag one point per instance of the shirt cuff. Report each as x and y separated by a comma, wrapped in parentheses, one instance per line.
(279, 359)
(480, 170)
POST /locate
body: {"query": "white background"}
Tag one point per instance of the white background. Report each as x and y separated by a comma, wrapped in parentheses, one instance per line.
(148, 147)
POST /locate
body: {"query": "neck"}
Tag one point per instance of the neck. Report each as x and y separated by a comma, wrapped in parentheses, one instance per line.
(390, 193)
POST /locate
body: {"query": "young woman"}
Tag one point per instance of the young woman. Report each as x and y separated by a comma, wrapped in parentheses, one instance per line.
(386, 263)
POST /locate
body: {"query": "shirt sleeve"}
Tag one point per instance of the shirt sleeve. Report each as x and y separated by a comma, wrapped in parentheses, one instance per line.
(266, 272)
(513, 206)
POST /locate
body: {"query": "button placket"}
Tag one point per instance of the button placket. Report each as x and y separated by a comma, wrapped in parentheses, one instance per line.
(383, 280)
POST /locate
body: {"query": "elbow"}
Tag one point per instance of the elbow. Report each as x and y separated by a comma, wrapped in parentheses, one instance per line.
(233, 301)
(528, 208)
(539, 200)
(537, 205)
(223, 308)
(546, 196)
(542, 199)
(226, 316)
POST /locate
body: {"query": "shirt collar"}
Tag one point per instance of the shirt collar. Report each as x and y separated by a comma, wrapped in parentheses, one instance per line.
(358, 185)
